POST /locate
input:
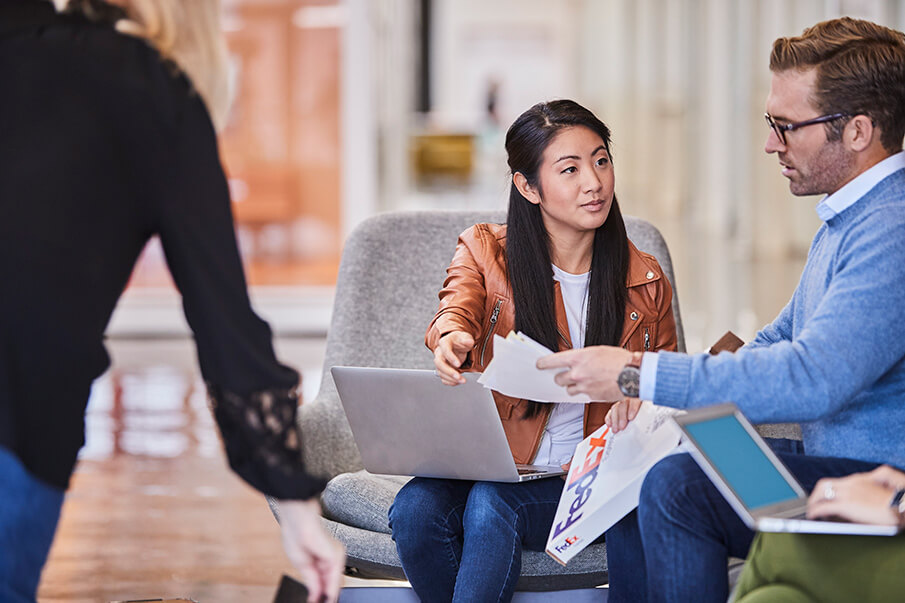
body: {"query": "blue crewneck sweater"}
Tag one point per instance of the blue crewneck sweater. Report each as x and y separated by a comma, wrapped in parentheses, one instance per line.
(834, 358)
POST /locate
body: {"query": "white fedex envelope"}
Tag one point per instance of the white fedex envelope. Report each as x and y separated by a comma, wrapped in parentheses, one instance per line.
(604, 480)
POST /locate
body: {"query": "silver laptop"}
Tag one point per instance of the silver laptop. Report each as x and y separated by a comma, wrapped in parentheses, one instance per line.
(406, 422)
(752, 478)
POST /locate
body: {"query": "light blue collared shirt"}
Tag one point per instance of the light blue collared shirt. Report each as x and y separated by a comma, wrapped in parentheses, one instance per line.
(848, 195)
(829, 206)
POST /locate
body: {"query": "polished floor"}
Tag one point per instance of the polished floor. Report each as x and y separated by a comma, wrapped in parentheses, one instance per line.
(154, 512)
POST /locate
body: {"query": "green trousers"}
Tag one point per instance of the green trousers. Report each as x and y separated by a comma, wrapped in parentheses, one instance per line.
(800, 568)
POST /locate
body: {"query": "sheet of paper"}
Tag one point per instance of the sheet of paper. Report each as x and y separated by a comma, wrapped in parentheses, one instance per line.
(513, 371)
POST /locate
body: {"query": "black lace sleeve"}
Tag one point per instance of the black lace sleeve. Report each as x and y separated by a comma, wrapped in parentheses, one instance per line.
(262, 441)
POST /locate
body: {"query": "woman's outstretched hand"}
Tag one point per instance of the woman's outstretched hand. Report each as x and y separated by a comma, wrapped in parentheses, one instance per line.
(450, 353)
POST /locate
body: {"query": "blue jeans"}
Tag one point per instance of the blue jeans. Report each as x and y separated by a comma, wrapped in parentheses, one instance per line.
(674, 546)
(29, 510)
(462, 540)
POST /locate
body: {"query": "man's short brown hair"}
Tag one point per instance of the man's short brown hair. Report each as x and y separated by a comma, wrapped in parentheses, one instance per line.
(860, 71)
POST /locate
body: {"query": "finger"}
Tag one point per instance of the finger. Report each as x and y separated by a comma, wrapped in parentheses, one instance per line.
(451, 365)
(447, 373)
(335, 574)
(562, 378)
(818, 494)
(628, 413)
(633, 407)
(618, 416)
(610, 418)
(323, 571)
(311, 580)
(822, 508)
(463, 343)
(558, 360)
(887, 476)
(329, 568)
(450, 356)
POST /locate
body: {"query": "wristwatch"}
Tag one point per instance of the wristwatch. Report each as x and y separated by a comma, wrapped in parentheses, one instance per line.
(898, 504)
(629, 379)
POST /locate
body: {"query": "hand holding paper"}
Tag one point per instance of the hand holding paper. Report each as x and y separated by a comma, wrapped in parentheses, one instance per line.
(592, 371)
(513, 371)
(622, 413)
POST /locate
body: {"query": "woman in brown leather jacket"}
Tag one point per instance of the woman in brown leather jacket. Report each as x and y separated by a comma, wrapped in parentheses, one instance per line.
(562, 271)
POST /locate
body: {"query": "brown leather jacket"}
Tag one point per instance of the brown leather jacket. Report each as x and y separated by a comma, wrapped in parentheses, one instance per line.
(476, 298)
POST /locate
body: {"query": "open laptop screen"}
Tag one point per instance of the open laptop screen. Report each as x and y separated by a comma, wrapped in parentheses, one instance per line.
(740, 461)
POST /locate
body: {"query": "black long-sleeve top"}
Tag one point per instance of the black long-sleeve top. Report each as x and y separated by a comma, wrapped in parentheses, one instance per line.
(103, 144)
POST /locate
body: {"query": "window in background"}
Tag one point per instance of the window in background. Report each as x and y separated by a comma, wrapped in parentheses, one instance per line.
(281, 148)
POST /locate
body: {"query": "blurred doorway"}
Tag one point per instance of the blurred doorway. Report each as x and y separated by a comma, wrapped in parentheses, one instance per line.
(282, 145)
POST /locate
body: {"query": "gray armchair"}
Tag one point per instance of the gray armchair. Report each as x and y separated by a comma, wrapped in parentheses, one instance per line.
(386, 294)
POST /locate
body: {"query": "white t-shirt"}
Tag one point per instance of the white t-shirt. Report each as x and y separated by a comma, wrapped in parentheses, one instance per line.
(565, 429)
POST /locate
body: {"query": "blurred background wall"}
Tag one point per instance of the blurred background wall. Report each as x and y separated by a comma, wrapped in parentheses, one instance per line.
(682, 84)
(347, 108)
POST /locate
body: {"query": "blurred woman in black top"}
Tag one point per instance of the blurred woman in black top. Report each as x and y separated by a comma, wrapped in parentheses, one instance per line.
(104, 143)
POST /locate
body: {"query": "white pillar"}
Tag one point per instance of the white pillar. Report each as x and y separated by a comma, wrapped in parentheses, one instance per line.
(358, 118)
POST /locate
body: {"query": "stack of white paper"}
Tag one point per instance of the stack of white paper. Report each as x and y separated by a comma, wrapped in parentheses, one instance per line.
(513, 371)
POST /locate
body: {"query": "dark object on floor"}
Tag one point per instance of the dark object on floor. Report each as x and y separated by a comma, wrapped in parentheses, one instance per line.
(291, 591)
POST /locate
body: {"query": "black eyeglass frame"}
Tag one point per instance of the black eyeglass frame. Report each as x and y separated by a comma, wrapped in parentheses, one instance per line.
(781, 129)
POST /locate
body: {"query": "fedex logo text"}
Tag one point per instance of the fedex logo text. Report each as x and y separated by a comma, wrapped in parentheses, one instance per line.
(582, 481)
(569, 542)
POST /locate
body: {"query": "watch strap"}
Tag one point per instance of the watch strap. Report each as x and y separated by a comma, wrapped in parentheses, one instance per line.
(636, 360)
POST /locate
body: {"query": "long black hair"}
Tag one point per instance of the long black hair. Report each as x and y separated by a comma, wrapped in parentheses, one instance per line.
(528, 245)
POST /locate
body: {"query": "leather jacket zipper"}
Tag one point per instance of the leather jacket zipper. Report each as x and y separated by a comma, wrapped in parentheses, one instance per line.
(646, 339)
(493, 318)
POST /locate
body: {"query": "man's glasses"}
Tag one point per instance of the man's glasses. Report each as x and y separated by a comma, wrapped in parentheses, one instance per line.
(781, 129)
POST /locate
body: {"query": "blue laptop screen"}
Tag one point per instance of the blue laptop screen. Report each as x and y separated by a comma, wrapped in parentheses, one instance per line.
(741, 462)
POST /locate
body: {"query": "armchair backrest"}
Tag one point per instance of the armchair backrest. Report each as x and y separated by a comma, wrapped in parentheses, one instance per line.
(392, 267)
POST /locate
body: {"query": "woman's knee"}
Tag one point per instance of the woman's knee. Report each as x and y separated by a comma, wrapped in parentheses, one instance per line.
(407, 506)
(420, 504)
(488, 504)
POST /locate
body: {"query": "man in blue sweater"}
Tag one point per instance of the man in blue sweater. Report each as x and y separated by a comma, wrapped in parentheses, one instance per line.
(834, 358)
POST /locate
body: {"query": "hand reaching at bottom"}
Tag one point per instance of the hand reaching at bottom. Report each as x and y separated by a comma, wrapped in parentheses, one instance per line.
(319, 558)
